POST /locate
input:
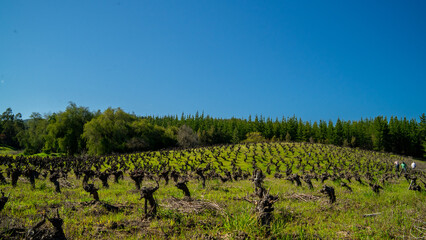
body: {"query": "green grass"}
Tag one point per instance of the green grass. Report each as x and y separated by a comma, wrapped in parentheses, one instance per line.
(49, 154)
(402, 212)
(9, 151)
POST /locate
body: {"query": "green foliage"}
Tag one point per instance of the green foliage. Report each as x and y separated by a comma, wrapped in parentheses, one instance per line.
(380, 134)
(300, 213)
(110, 132)
(10, 126)
(117, 131)
(254, 137)
(151, 137)
(33, 139)
(422, 134)
(65, 129)
(288, 137)
(339, 135)
(235, 136)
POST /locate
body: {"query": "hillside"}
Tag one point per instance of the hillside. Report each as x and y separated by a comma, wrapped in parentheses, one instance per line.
(228, 205)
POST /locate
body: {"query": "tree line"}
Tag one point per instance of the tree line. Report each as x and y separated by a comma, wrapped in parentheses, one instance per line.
(78, 131)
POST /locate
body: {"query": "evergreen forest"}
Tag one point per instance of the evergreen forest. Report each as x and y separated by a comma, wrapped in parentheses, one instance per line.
(77, 131)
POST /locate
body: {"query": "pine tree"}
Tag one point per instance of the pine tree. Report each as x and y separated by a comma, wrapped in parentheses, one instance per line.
(338, 133)
(423, 133)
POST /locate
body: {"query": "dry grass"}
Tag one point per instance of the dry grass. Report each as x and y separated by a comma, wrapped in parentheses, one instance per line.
(189, 205)
(301, 197)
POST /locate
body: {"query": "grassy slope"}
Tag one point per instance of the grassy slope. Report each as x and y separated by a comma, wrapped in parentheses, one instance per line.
(402, 211)
(9, 151)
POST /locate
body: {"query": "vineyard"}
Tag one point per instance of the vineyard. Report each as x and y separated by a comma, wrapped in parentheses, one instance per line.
(244, 191)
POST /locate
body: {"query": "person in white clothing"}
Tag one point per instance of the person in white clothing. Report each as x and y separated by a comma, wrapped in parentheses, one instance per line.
(413, 165)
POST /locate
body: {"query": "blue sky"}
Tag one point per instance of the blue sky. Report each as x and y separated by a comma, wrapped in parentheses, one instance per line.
(317, 60)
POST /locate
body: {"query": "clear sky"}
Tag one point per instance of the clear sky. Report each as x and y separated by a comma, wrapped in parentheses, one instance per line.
(317, 60)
